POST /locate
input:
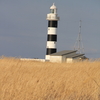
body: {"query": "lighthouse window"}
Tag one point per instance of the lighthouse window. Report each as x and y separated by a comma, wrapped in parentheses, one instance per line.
(52, 10)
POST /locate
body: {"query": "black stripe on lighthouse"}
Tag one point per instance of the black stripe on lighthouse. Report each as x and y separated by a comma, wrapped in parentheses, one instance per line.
(52, 38)
(50, 51)
(52, 24)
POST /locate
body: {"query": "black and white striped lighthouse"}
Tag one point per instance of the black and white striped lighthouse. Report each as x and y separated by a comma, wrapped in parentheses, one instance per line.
(52, 18)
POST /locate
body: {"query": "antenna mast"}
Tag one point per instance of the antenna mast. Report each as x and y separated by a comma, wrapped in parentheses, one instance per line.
(78, 45)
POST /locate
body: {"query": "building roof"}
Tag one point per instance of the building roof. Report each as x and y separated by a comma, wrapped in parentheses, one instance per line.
(65, 52)
(74, 55)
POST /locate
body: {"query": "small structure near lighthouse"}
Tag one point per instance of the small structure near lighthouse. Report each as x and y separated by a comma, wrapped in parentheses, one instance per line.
(52, 18)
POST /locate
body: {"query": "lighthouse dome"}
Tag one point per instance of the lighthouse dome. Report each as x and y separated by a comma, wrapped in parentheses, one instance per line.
(53, 6)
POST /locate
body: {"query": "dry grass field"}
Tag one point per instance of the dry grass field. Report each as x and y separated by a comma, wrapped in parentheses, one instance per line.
(32, 80)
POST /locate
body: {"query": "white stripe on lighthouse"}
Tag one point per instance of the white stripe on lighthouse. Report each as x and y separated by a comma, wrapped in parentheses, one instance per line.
(51, 44)
(52, 30)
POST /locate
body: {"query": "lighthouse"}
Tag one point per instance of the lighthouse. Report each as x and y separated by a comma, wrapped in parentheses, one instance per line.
(52, 18)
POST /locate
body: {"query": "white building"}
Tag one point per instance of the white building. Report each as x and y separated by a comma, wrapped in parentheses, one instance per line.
(68, 56)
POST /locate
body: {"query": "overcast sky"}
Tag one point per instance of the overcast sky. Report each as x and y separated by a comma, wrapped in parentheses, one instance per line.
(23, 26)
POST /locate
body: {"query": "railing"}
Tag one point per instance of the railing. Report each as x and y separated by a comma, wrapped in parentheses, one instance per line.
(53, 18)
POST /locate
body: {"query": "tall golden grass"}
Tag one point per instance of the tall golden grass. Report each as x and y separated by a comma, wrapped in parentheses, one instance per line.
(31, 80)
